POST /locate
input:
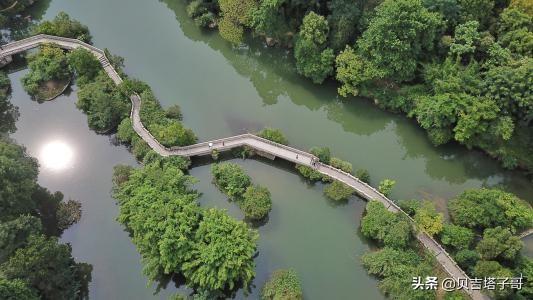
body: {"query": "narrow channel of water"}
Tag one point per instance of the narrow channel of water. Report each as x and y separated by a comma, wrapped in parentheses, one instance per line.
(224, 91)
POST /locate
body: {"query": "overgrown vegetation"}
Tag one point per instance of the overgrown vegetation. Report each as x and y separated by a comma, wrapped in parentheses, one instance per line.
(254, 200)
(63, 25)
(282, 285)
(211, 250)
(463, 70)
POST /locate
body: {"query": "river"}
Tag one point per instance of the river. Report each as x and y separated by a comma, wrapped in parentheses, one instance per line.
(224, 91)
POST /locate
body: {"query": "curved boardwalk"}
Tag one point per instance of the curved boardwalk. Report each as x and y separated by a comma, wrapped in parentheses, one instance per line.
(250, 140)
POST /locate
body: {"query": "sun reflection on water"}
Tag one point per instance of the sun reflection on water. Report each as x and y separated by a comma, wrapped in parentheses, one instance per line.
(56, 155)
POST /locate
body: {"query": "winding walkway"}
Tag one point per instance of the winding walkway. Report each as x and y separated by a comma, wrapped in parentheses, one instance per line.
(250, 140)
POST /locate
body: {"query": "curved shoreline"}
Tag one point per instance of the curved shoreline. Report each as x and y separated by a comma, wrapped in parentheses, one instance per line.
(278, 150)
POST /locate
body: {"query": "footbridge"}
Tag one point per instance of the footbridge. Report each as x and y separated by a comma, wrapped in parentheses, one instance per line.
(262, 145)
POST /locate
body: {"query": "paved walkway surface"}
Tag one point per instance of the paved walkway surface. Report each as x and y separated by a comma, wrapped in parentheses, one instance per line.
(250, 140)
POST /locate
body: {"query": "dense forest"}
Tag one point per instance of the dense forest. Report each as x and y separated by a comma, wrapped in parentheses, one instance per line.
(462, 69)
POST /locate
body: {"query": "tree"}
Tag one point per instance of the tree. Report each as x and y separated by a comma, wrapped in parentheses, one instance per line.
(385, 186)
(352, 71)
(466, 38)
(256, 202)
(338, 191)
(269, 19)
(363, 175)
(428, 219)
(398, 37)
(313, 59)
(15, 233)
(477, 10)
(173, 134)
(63, 26)
(235, 15)
(410, 206)
(67, 214)
(48, 64)
(222, 255)
(231, 179)
(499, 242)
(341, 164)
(174, 112)
(274, 135)
(282, 285)
(343, 21)
(16, 289)
(457, 236)
(84, 64)
(47, 266)
(323, 154)
(309, 173)
(483, 208)
(467, 259)
(8, 112)
(380, 224)
(493, 269)
(18, 177)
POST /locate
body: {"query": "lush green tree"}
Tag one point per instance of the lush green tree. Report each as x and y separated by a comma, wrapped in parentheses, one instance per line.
(274, 135)
(398, 37)
(449, 9)
(526, 269)
(341, 164)
(103, 103)
(499, 242)
(84, 64)
(385, 186)
(282, 285)
(313, 59)
(174, 112)
(396, 268)
(8, 112)
(269, 19)
(323, 154)
(385, 226)
(410, 206)
(173, 134)
(483, 208)
(465, 40)
(67, 214)
(15, 233)
(235, 15)
(353, 70)
(343, 21)
(161, 211)
(477, 10)
(16, 289)
(428, 219)
(49, 64)
(231, 179)
(363, 175)
(63, 25)
(467, 259)
(222, 255)
(338, 191)
(309, 173)
(256, 202)
(18, 176)
(457, 236)
(47, 266)
(493, 269)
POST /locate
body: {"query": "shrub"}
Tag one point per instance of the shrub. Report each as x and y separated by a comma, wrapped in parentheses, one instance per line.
(338, 191)
(48, 64)
(309, 173)
(174, 112)
(385, 186)
(457, 236)
(274, 135)
(322, 153)
(231, 179)
(363, 175)
(341, 164)
(63, 25)
(282, 285)
(428, 219)
(256, 202)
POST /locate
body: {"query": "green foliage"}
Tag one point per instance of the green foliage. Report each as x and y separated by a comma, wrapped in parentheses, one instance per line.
(48, 64)
(222, 255)
(363, 175)
(63, 25)
(467, 259)
(235, 15)
(323, 154)
(309, 173)
(427, 218)
(18, 177)
(103, 103)
(274, 135)
(16, 290)
(121, 174)
(477, 10)
(15, 233)
(457, 236)
(385, 186)
(84, 64)
(256, 202)
(352, 71)
(516, 31)
(47, 266)
(8, 112)
(499, 242)
(466, 38)
(410, 206)
(393, 230)
(313, 59)
(484, 208)
(338, 191)
(398, 37)
(231, 179)
(174, 112)
(495, 270)
(67, 214)
(282, 285)
(343, 21)
(341, 164)
(396, 268)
